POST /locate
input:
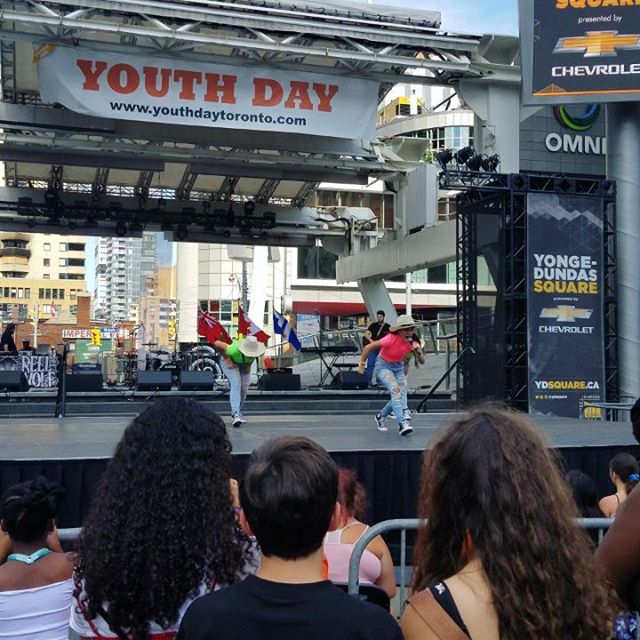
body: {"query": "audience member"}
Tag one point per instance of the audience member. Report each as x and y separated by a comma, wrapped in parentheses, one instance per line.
(634, 414)
(585, 494)
(619, 552)
(162, 529)
(501, 556)
(625, 474)
(35, 577)
(288, 499)
(376, 565)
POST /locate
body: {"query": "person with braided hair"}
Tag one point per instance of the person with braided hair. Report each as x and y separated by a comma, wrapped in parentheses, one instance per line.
(35, 574)
(162, 529)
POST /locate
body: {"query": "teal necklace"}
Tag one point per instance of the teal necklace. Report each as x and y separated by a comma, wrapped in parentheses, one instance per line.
(34, 557)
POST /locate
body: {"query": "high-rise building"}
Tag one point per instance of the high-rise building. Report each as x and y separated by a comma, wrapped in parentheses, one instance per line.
(39, 269)
(122, 268)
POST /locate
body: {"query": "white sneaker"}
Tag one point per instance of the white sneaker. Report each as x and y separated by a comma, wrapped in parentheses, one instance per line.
(237, 419)
(407, 415)
(405, 428)
(381, 423)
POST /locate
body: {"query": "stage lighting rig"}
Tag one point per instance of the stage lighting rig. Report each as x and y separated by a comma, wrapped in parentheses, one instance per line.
(462, 155)
(490, 163)
(443, 158)
(120, 228)
(474, 163)
(181, 233)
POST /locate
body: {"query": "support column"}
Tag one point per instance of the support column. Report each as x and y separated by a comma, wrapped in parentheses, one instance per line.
(623, 142)
(376, 296)
(187, 292)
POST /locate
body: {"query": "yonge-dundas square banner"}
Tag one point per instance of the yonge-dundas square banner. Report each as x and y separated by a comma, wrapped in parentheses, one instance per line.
(565, 298)
(177, 91)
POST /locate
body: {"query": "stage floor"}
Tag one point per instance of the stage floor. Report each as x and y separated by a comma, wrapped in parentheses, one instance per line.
(78, 438)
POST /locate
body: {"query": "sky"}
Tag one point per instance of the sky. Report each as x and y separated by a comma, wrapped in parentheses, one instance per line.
(468, 16)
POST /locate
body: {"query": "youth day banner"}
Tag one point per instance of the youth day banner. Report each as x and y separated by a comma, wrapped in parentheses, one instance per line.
(171, 91)
(565, 304)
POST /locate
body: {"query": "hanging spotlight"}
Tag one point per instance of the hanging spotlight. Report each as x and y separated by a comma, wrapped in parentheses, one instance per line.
(443, 158)
(120, 228)
(474, 163)
(181, 233)
(249, 207)
(462, 155)
(490, 163)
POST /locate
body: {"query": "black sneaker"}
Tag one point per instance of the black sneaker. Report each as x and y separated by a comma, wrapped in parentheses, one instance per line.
(381, 423)
(405, 428)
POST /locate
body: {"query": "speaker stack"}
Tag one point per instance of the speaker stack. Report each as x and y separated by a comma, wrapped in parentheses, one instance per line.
(13, 381)
(153, 381)
(279, 382)
(195, 380)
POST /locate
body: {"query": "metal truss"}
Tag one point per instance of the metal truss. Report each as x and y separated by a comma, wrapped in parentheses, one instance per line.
(504, 196)
(361, 43)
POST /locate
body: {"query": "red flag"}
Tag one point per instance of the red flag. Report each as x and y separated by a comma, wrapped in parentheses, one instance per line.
(211, 329)
(248, 328)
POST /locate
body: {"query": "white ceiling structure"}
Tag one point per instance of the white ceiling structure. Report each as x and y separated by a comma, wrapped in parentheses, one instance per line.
(155, 176)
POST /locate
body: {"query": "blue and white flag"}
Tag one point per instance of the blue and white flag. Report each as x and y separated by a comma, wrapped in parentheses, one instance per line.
(282, 327)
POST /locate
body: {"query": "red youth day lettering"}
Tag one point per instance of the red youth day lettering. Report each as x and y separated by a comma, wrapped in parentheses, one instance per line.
(220, 84)
(151, 81)
(270, 93)
(123, 78)
(266, 92)
(91, 73)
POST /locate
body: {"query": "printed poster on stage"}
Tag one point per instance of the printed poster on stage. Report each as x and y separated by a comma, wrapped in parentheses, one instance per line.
(565, 298)
(160, 90)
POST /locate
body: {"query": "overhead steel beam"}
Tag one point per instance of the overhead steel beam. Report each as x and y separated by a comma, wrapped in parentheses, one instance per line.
(277, 172)
(173, 35)
(15, 153)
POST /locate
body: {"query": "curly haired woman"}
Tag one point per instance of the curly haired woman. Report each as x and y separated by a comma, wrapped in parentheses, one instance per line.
(501, 557)
(162, 529)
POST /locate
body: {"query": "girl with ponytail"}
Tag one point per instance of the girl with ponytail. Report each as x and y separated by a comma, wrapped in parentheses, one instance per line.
(624, 472)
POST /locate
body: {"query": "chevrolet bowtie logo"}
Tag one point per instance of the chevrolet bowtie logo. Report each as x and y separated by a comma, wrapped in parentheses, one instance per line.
(597, 43)
(566, 313)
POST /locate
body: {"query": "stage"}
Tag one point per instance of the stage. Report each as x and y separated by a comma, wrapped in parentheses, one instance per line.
(75, 451)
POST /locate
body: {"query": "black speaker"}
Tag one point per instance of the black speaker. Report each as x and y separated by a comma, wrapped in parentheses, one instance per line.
(13, 381)
(86, 380)
(279, 382)
(195, 380)
(350, 380)
(154, 381)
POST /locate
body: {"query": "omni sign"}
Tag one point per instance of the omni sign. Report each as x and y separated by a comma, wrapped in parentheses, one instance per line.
(568, 143)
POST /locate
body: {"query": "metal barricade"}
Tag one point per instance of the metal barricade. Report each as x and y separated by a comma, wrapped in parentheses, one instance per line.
(411, 524)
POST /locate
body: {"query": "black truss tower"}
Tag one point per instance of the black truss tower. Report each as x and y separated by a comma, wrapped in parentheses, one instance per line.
(492, 223)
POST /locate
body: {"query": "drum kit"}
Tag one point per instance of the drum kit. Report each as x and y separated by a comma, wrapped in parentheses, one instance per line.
(199, 358)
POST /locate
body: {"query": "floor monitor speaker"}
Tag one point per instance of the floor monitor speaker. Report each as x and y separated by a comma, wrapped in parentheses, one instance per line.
(13, 381)
(195, 380)
(154, 381)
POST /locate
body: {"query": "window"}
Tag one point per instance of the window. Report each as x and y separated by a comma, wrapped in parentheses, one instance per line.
(63, 246)
(317, 263)
(46, 276)
(20, 292)
(5, 292)
(46, 262)
(62, 262)
(27, 293)
(46, 246)
(40, 294)
(61, 294)
(54, 294)
(75, 246)
(47, 294)
(14, 292)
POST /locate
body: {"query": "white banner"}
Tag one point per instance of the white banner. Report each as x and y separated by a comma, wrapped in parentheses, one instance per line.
(163, 90)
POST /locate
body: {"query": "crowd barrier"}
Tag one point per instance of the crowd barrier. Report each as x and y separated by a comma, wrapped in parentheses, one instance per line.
(403, 572)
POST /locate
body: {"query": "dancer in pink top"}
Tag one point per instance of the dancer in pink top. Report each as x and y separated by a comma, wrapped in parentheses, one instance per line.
(389, 370)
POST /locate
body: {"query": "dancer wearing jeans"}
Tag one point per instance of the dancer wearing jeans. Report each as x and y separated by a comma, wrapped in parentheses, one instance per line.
(236, 362)
(389, 370)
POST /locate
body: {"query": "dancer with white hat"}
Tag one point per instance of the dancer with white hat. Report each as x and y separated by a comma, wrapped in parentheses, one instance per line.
(389, 371)
(236, 362)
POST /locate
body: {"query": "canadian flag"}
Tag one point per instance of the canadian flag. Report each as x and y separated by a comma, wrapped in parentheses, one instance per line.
(248, 328)
(211, 329)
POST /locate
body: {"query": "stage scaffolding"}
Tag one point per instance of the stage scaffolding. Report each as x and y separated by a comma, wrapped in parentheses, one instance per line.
(492, 223)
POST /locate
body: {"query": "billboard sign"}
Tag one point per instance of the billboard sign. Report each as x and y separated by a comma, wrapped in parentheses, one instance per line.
(184, 92)
(565, 303)
(580, 51)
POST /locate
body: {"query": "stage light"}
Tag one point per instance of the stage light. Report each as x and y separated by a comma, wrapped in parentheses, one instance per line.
(25, 205)
(462, 155)
(181, 233)
(136, 227)
(269, 218)
(443, 158)
(249, 207)
(162, 204)
(490, 163)
(31, 223)
(50, 198)
(474, 163)
(120, 228)
(166, 226)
